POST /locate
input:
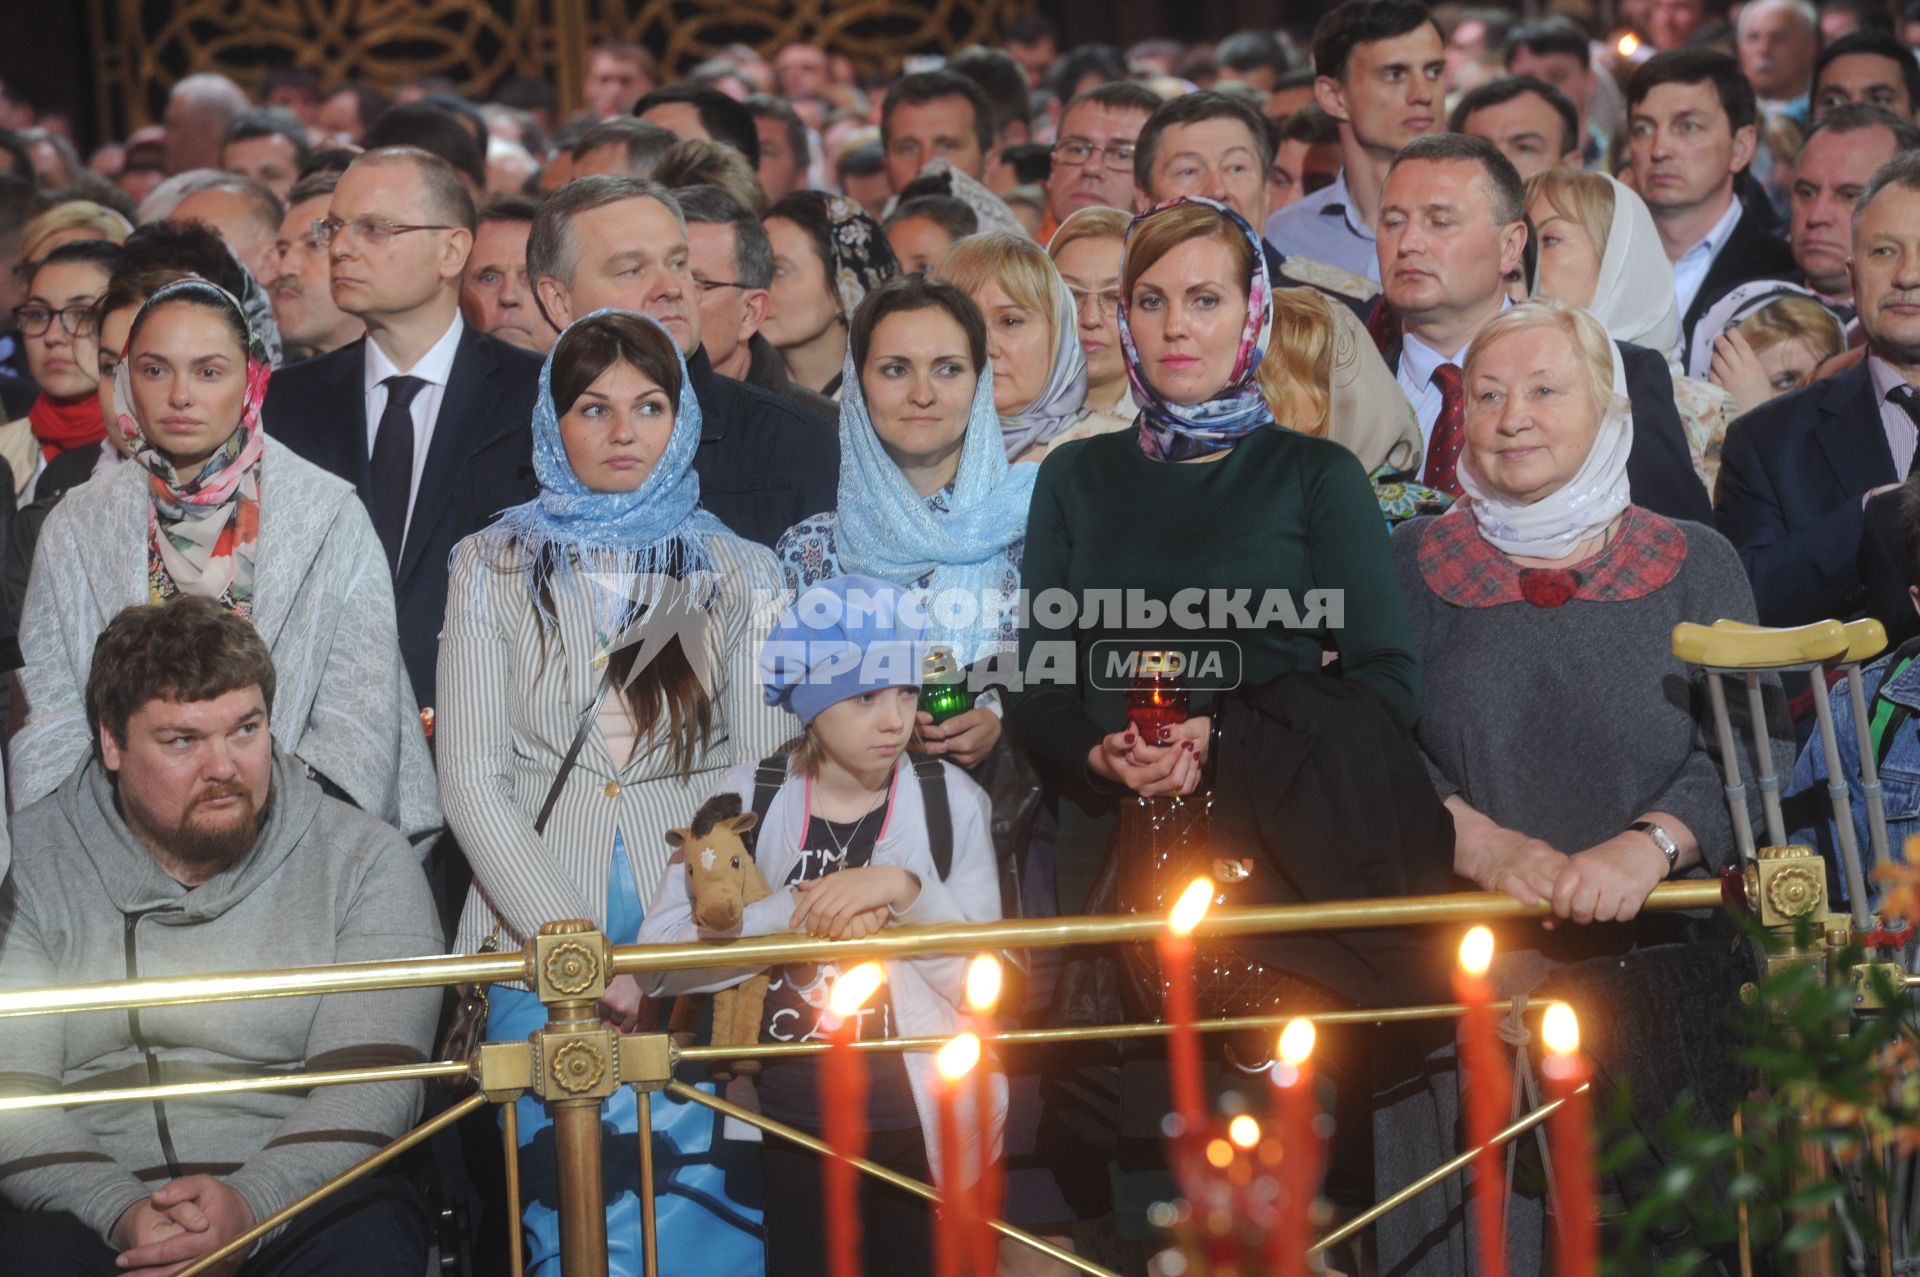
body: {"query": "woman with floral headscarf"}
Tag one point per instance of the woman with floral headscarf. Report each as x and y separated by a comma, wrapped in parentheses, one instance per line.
(213, 507)
(828, 254)
(597, 674)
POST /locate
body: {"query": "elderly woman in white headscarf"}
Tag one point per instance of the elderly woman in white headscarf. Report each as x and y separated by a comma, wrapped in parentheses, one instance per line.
(1599, 250)
(1546, 587)
(1033, 338)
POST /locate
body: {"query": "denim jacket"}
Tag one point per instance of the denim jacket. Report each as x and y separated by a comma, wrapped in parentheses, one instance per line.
(1899, 778)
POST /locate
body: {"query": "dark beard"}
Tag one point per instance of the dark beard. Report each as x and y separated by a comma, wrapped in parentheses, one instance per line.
(207, 851)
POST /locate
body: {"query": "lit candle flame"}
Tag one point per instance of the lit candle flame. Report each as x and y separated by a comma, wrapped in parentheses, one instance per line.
(854, 988)
(1476, 951)
(1191, 907)
(956, 1059)
(1219, 1154)
(1629, 44)
(983, 984)
(1296, 1041)
(1243, 1131)
(1560, 1029)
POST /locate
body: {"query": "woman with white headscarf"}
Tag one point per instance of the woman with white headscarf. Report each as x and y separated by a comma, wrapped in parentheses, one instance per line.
(1033, 338)
(1599, 250)
(1763, 339)
(1546, 589)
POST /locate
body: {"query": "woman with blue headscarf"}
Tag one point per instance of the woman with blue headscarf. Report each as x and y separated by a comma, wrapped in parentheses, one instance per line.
(927, 499)
(597, 674)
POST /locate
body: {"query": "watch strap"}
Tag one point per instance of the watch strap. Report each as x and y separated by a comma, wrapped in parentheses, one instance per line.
(1661, 839)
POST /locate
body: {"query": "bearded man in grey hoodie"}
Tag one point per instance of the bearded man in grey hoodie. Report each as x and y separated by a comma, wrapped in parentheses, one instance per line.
(189, 843)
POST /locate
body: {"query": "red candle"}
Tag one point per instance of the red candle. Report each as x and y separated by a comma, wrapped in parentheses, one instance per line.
(1489, 1098)
(843, 1109)
(1570, 1137)
(1176, 974)
(953, 1233)
(1301, 1153)
(983, 994)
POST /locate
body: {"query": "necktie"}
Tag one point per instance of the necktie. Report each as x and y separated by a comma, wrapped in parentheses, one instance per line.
(1908, 400)
(390, 472)
(1442, 472)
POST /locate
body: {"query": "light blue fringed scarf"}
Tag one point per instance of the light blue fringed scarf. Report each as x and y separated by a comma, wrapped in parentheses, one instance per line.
(658, 528)
(888, 530)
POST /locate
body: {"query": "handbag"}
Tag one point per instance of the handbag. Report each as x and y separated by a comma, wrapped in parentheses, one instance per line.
(467, 1026)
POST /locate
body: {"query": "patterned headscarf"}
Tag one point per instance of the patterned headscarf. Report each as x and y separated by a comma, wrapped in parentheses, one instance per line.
(656, 530)
(862, 258)
(1175, 432)
(203, 533)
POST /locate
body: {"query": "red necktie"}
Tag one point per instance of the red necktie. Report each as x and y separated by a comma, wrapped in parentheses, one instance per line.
(1442, 471)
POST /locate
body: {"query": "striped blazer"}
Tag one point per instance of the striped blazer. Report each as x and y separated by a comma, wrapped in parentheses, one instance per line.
(512, 693)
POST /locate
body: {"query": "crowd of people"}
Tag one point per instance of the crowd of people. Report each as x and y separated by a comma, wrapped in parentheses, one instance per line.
(427, 518)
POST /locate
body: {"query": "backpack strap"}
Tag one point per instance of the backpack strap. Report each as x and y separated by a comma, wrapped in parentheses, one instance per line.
(933, 796)
(1885, 717)
(769, 774)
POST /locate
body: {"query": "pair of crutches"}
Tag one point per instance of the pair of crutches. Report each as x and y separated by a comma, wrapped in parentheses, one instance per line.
(1732, 649)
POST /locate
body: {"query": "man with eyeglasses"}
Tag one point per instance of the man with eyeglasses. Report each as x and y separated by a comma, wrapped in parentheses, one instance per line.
(427, 416)
(299, 285)
(1093, 153)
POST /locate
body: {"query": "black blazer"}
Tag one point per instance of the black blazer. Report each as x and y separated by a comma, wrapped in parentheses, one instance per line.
(1660, 467)
(765, 461)
(1753, 251)
(1792, 475)
(479, 463)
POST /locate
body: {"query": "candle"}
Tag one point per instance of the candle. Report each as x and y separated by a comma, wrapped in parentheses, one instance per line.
(952, 1236)
(983, 994)
(1300, 1148)
(1157, 699)
(943, 685)
(1176, 974)
(1570, 1136)
(1489, 1091)
(843, 1110)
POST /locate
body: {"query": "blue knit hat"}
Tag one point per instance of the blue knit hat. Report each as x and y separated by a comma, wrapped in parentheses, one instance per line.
(841, 638)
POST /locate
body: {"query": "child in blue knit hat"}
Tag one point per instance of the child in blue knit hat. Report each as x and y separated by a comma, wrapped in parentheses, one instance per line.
(854, 834)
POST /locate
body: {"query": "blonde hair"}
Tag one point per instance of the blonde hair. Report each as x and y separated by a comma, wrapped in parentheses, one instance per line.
(1586, 198)
(1794, 319)
(1019, 266)
(1297, 374)
(1088, 223)
(1582, 329)
(74, 215)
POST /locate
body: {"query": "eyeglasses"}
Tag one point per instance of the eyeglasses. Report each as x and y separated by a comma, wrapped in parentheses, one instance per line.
(1118, 156)
(374, 232)
(1105, 303)
(706, 285)
(35, 319)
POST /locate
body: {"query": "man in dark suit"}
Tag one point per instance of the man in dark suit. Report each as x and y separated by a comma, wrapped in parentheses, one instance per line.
(764, 462)
(1797, 474)
(1451, 228)
(1693, 126)
(428, 417)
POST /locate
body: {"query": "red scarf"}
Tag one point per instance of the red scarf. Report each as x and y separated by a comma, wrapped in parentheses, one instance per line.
(61, 427)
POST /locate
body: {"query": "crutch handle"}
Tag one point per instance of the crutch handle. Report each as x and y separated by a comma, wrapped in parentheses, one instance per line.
(1742, 648)
(1866, 638)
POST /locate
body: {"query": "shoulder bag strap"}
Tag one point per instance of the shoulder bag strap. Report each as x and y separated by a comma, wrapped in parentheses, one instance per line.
(933, 796)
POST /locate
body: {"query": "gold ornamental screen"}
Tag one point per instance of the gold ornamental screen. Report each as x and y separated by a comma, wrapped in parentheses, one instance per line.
(144, 47)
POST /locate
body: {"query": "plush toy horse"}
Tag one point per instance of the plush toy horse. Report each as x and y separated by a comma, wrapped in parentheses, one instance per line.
(724, 880)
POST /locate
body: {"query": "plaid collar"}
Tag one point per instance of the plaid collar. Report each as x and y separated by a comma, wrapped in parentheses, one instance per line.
(1465, 569)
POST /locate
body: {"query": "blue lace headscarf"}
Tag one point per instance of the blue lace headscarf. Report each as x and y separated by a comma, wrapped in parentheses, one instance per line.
(1175, 432)
(657, 529)
(886, 529)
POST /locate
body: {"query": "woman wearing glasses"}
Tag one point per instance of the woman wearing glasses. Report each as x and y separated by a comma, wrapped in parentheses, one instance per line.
(1086, 250)
(828, 254)
(63, 429)
(210, 506)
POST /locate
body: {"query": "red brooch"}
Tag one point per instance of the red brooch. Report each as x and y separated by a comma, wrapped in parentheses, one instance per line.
(1548, 587)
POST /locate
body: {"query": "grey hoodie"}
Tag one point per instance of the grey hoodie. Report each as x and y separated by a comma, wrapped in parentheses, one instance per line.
(86, 902)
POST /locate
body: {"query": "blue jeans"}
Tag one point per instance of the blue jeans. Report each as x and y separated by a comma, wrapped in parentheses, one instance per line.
(707, 1190)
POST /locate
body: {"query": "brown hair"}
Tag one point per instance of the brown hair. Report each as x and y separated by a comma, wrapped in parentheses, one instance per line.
(1159, 234)
(125, 290)
(699, 161)
(187, 649)
(667, 685)
(1296, 377)
(911, 293)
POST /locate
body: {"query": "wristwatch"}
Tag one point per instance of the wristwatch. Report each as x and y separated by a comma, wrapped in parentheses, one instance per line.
(1661, 839)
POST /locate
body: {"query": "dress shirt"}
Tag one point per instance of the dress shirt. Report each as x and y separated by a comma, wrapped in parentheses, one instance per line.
(434, 368)
(1417, 364)
(1691, 270)
(1324, 226)
(1902, 435)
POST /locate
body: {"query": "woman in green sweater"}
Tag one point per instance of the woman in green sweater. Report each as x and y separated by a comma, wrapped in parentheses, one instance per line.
(1219, 535)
